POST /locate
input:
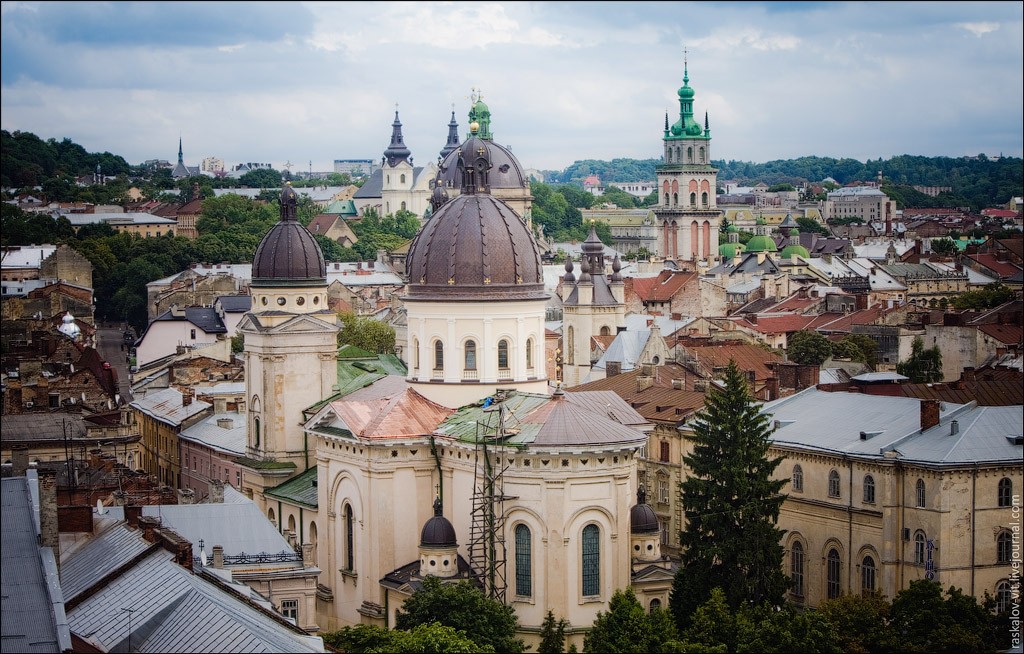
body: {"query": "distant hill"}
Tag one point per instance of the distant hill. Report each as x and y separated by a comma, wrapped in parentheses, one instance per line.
(975, 181)
(27, 160)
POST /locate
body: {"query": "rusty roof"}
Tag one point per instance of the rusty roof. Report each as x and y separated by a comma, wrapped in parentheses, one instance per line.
(747, 356)
(985, 393)
(667, 284)
(387, 408)
(1010, 334)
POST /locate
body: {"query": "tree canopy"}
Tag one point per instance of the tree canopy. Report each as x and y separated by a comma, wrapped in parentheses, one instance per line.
(808, 347)
(923, 366)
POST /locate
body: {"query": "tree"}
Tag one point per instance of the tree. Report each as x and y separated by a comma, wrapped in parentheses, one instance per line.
(432, 638)
(865, 346)
(237, 343)
(626, 627)
(923, 366)
(366, 333)
(731, 506)
(943, 245)
(808, 347)
(924, 621)
(464, 607)
(261, 178)
(806, 224)
(986, 297)
(552, 635)
(861, 622)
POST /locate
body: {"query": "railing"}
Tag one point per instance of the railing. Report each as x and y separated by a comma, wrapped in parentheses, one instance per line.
(284, 556)
(470, 375)
(504, 374)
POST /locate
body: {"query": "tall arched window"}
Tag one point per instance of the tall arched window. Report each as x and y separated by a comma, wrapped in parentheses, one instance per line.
(1003, 597)
(438, 355)
(689, 155)
(798, 478)
(668, 156)
(702, 155)
(256, 432)
(1005, 491)
(675, 199)
(920, 493)
(693, 199)
(919, 548)
(401, 179)
(796, 568)
(470, 355)
(704, 200)
(832, 580)
(867, 575)
(503, 354)
(350, 539)
(833, 483)
(416, 355)
(591, 560)
(570, 349)
(869, 489)
(1003, 542)
(529, 354)
(655, 604)
(524, 562)
(403, 204)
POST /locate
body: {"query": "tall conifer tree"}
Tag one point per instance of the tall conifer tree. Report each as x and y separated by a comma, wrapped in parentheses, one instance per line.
(731, 539)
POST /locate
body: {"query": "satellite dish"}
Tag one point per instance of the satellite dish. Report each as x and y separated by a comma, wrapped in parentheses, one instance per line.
(202, 557)
(99, 507)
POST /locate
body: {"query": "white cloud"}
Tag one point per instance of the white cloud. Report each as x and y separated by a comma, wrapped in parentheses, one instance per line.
(231, 48)
(979, 29)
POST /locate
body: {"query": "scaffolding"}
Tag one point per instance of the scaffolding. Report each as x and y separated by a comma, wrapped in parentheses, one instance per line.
(487, 551)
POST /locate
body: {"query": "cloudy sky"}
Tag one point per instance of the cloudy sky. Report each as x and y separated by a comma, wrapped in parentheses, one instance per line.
(317, 81)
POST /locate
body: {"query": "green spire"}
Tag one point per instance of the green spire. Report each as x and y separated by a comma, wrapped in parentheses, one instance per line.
(480, 114)
(686, 126)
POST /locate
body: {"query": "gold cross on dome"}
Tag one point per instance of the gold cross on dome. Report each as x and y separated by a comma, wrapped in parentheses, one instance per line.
(481, 151)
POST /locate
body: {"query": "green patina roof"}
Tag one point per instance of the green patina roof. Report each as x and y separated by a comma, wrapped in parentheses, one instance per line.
(342, 207)
(300, 489)
(357, 369)
(257, 464)
(473, 421)
(798, 250)
(761, 244)
(729, 250)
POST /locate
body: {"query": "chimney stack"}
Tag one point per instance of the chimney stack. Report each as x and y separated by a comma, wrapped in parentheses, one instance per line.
(218, 556)
(149, 524)
(772, 384)
(186, 496)
(216, 491)
(49, 532)
(19, 460)
(929, 414)
(132, 514)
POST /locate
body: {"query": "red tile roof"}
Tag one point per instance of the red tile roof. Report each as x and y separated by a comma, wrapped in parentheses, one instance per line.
(986, 393)
(1004, 269)
(778, 324)
(667, 284)
(746, 355)
(1009, 334)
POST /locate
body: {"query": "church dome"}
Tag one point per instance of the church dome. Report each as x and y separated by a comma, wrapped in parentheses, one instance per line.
(798, 250)
(475, 246)
(761, 243)
(506, 172)
(438, 531)
(729, 250)
(642, 519)
(288, 255)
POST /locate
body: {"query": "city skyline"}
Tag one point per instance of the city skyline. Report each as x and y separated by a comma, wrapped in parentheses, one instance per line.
(308, 83)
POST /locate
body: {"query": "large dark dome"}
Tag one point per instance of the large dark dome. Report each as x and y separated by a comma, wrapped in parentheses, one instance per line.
(506, 172)
(475, 247)
(642, 518)
(438, 531)
(288, 255)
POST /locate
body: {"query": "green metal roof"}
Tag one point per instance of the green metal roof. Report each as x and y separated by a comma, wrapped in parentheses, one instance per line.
(761, 243)
(475, 421)
(257, 464)
(300, 489)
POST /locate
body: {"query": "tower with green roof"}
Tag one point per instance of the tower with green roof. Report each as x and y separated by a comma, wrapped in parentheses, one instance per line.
(794, 247)
(687, 208)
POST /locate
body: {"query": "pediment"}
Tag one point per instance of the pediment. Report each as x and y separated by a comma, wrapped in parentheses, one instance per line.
(303, 323)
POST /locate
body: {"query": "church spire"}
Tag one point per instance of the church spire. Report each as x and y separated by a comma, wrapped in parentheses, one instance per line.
(397, 151)
(181, 156)
(453, 137)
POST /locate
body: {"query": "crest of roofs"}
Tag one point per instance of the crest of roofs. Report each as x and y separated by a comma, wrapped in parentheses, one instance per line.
(775, 324)
(205, 318)
(664, 287)
(663, 394)
(373, 187)
(586, 420)
(37, 427)
(999, 213)
(223, 432)
(880, 426)
(748, 357)
(1006, 392)
(61, 287)
(1007, 271)
(120, 219)
(173, 607)
(33, 604)
(168, 406)
(301, 489)
(234, 303)
(385, 409)
(343, 208)
(358, 368)
(878, 250)
(627, 348)
(25, 256)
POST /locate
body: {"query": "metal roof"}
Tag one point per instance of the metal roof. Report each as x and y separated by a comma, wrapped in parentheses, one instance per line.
(301, 489)
(42, 426)
(107, 550)
(32, 603)
(209, 432)
(833, 422)
(166, 405)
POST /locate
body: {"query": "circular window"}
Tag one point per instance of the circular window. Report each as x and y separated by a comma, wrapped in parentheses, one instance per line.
(433, 563)
(446, 562)
(264, 300)
(300, 300)
(650, 547)
(636, 547)
(281, 301)
(316, 299)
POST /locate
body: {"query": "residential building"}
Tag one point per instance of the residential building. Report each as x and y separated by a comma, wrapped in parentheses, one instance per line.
(161, 417)
(866, 204)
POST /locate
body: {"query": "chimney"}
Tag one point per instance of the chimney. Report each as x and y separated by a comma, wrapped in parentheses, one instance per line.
(216, 491)
(643, 382)
(772, 385)
(132, 514)
(678, 384)
(186, 397)
(969, 374)
(186, 496)
(954, 427)
(149, 524)
(307, 555)
(49, 533)
(225, 423)
(19, 460)
(612, 368)
(218, 556)
(929, 414)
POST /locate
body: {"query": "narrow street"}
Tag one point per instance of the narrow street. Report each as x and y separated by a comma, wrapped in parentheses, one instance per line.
(114, 349)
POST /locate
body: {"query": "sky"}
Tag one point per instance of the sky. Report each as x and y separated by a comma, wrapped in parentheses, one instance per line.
(305, 83)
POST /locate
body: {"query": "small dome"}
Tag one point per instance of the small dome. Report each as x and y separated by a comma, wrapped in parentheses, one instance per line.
(685, 91)
(761, 243)
(288, 255)
(642, 519)
(506, 171)
(729, 250)
(798, 250)
(438, 531)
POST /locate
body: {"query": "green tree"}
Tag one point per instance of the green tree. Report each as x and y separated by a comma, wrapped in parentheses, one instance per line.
(261, 178)
(806, 224)
(618, 197)
(924, 621)
(808, 347)
(552, 635)
(924, 366)
(366, 333)
(943, 245)
(731, 505)
(857, 347)
(464, 607)
(432, 638)
(237, 343)
(986, 297)
(626, 627)
(861, 623)
(713, 623)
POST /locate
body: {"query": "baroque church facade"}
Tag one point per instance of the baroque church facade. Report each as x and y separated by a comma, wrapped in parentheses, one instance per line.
(473, 464)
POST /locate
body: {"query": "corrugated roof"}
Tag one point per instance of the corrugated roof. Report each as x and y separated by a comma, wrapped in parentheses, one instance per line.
(42, 426)
(32, 604)
(166, 405)
(102, 554)
(388, 408)
(301, 489)
(230, 440)
(1005, 392)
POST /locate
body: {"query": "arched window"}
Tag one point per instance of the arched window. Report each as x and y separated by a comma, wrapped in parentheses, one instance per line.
(271, 516)
(702, 154)
(919, 488)
(832, 578)
(403, 202)
(666, 200)
(256, 432)
(591, 560)
(401, 179)
(503, 354)
(291, 524)
(919, 545)
(869, 489)
(796, 568)
(570, 350)
(689, 155)
(693, 199)
(655, 604)
(668, 156)
(438, 355)
(704, 200)
(675, 199)
(1003, 597)
(529, 354)
(350, 539)
(605, 330)
(1003, 542)
(867, 575)
(833, 483)
(312, 538)
(1005, 491)
(524, 562)
(416, 355)
(470, 355)
(798, 478)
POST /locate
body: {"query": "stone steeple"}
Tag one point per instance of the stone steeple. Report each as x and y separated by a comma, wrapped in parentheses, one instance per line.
(397, 151)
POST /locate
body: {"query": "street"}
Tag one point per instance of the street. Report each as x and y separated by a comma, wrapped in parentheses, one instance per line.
(114, 349)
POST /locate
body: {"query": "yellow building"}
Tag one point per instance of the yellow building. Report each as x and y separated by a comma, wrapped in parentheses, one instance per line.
(161, 416)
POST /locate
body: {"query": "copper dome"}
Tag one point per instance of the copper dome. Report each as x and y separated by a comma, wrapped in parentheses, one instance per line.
(288, 255)
(642, 518)
(475, 247)
(438, 531)
(506, 172)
